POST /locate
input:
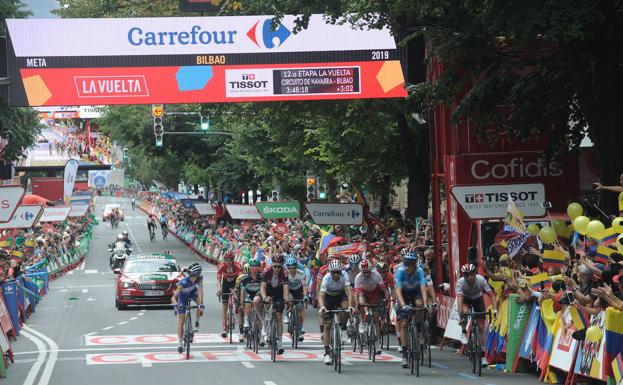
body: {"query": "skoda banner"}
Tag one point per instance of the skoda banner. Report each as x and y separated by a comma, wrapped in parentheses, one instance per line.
(279, 210)
(336, 213)
(24, 218)
(491, 201)
(518, 315)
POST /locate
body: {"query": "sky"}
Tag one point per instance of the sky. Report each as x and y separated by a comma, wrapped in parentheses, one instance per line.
(41, 8)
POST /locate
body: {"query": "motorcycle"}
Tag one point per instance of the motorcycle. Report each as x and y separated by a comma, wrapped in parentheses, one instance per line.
(119, 254)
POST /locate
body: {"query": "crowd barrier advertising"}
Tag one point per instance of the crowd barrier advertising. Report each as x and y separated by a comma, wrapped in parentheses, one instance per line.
(55, 214)
(205, 209)
(518, 314)
(453, 329)
(9, 293)
(78, 210)
(24, 218)
(564, 346)
(243, 212)
(198, 60)
(10, 198)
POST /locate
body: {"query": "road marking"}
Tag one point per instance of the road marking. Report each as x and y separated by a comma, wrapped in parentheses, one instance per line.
(84, 291)
(468, 376)
(49, 365)
(91, 271)
(122, 323)
(108, 328)
(70, 272)
(269, 383)
(63, 290)
(133, 318)
(440, 366)
(82, 264)
(140, 314)
(247, 365)
(90, 299)
(90, 334)
(225, 346)
(346, 363)
(34, 370)
(82, 286)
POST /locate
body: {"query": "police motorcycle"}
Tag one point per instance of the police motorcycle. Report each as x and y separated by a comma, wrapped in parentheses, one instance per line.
(120, 251)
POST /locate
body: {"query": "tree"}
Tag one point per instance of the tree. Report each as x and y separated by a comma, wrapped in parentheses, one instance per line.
(19, 125)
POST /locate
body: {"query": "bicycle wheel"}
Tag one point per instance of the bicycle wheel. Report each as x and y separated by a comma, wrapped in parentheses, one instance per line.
(294, 324)
(477, 352)
(273, 339)
(338, 349)
(472, 350)
(415, 351)
(188, 336)
(372, 341)
(230, 319)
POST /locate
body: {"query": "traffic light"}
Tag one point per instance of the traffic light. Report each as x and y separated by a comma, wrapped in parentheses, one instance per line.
(322, 191)
(311, 188)
(205, 123)
(274, 195)
(125, 153)
(157, 111)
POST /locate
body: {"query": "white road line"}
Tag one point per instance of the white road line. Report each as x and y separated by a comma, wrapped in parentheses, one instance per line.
(63, 290)
(34, 370)
(140, 314)
(90, 334)
(49, 365)
(346, 363)
(269, 383)
(144, 347)
(133, 318)
(90, 271)
(82, 264)
(82, 287)
(84, 291)
(146, 364)
(108, 328)
(70, 272)
(247, 364)
(122, 323)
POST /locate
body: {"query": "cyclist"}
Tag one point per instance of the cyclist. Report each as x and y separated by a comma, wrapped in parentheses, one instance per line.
(334, 294)
(369, 286)
(133, 204)
(190, 287)
(353, 267)
(469, 289)
(126, 238)
(410, 289)
(151, 226)
(250, 291)
(226, 276)
(274, 289)
(237, 302)
(164, 226)
(297, 288)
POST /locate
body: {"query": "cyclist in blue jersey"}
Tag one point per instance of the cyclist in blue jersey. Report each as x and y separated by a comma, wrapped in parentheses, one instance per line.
(297, 289)
(410, 290)
(190, 287)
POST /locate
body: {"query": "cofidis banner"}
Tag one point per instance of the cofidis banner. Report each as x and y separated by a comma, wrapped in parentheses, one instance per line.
(197, 59)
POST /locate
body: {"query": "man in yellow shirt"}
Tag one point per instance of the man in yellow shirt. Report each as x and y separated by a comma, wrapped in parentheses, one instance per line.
(617, 189)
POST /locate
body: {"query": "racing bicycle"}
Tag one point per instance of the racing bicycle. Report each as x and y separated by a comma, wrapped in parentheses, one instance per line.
(353, 331)
(335, 344)
(231, 316)
(384, 317)
(369, 336)
(152, 234)
(189, 332)
(415, 338)
(165, 231)
(294, 327)
(272, 337)
(474, 349)
(254, 332)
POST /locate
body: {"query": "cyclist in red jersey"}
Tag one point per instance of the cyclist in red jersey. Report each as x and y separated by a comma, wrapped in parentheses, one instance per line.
(226, 276)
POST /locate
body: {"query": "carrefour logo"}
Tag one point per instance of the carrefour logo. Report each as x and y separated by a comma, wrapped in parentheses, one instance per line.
(196, 36)
(268, 35)
(354, 214)
(27, 215)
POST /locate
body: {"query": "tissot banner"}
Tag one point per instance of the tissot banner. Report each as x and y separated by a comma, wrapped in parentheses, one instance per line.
(197, 60)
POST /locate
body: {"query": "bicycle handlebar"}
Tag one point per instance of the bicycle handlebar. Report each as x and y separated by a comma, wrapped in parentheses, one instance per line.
(477, 313)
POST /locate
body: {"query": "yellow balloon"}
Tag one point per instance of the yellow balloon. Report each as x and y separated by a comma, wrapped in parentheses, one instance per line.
(547, 235)
(594, 333)
(595, 229)
(620, 244)
(580, 223)
(617, 224)
(533, 229)
(559, 226)
(574, 210)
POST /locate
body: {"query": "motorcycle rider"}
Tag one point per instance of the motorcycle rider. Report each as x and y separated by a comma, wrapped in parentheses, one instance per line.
(120, 250)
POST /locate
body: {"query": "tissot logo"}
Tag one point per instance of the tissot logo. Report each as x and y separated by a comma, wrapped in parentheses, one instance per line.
(242, 83)
(248, 76)
(501, 197)
(268, 34)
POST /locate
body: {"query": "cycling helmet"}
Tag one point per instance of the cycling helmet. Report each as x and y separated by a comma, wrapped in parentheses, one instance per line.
(335, 265)
(254, 263)
(120, 236)
(245, 268)
(278, 259)
(125, 232)
(381, 266)
(354, 259)
(291, 260)
(194, 269)
(228, 256)
(467, 268)
(364, 266)
(410, 256)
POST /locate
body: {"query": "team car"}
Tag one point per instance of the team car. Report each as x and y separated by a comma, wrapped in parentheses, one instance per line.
(147, 279)
(107, 212)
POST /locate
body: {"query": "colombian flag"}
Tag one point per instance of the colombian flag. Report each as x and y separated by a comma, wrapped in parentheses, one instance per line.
(580, 319)
(17, 253)
(613, 347)
(617, 368)
(554, 258)
(603, 254)
(609, 236)
(540, 280)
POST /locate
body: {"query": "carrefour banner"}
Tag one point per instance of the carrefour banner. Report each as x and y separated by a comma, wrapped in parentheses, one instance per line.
(197, 59)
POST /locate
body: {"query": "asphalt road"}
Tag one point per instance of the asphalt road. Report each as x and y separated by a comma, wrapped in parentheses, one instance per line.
(77, 337)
